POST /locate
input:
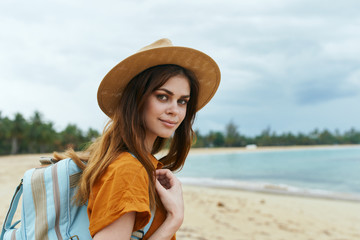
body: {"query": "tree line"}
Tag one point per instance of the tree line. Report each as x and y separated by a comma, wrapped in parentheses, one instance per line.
(35, 135)
(231, 137)
(19, 135)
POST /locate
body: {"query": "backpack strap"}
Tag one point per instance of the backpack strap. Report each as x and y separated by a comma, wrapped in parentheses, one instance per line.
(12, 209)
(147, 227)
(139, 234)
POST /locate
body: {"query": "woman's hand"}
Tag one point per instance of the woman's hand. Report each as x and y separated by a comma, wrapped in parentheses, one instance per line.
(170, 192)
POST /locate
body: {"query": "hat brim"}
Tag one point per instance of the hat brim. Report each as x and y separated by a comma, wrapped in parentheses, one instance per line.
(203, 66)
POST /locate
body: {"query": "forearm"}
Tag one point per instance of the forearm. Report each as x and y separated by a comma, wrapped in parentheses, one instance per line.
(169, 227)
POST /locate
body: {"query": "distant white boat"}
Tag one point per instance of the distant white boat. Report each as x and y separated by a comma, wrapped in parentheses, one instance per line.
(251, 146)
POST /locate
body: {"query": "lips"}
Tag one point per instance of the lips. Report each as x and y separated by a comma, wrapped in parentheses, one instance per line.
(168, 123)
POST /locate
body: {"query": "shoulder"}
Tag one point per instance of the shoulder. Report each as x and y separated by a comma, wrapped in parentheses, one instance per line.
(122, 175)
(126, 167)
(125, 161)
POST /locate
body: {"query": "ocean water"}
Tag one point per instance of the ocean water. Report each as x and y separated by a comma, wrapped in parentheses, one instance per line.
(324, 172)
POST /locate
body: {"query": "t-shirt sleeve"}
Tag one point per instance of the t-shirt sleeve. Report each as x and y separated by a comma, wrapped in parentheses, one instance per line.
(120, 190)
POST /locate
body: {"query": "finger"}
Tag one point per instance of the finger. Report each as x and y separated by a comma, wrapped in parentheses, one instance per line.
(159, 188)
(166, 178)
(164, 173)
(162, 170)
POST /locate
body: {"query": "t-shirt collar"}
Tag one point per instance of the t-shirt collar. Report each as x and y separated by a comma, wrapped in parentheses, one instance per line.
(157, 164)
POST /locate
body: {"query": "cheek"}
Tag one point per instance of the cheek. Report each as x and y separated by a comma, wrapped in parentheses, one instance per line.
(183, 114)
(151, 107)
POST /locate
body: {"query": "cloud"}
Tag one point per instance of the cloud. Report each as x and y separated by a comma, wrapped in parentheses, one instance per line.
(277, 57)
(314, 93)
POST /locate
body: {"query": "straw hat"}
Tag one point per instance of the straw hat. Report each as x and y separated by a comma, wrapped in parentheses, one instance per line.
(159, 53)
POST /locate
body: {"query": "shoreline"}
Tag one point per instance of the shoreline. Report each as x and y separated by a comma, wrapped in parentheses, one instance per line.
(267, 187)
(269, 148)
(273, 189)
(223, 150)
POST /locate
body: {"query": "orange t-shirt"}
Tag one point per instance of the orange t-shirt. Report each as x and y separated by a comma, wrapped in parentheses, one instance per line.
(121, 189)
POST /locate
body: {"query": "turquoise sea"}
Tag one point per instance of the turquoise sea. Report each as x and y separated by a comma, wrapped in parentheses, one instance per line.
(330, 172)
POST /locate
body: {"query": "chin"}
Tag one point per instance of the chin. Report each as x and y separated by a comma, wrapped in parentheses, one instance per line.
(166, 135)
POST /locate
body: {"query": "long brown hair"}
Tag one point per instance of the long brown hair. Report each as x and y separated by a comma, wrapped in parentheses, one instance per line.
(125, 132)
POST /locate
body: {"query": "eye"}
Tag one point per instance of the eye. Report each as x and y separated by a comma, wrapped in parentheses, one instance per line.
(162, 97)
(183, 101)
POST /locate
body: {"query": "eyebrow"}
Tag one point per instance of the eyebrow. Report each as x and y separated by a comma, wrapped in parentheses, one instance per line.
(172, 94)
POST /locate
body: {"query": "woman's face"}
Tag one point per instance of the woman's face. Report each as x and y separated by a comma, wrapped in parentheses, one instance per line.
(165, 108)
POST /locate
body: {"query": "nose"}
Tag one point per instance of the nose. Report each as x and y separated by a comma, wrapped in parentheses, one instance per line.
(173, 108)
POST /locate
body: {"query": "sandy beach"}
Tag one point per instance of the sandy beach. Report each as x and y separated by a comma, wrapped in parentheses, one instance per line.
(214, 213)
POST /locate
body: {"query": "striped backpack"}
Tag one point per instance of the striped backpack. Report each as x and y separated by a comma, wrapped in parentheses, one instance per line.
(48, 211)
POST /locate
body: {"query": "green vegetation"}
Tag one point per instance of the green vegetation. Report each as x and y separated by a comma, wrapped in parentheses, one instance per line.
(232, 138)
(18, 135)
(35, 135)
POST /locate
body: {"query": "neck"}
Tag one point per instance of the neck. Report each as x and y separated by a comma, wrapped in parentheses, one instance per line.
(149, 143)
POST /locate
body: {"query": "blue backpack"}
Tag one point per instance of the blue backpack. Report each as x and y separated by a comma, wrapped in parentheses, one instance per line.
(48, 211)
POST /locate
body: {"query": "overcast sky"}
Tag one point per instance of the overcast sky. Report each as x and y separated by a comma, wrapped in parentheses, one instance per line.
(288, 65)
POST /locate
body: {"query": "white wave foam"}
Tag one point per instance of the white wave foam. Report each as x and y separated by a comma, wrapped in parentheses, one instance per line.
(269, 188)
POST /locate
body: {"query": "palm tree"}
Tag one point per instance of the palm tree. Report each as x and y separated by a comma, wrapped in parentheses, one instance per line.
(92, 134)
(41, 134)
(34, 135)
(72, 137)
(5, 124)
(47, 136)
(17, 132)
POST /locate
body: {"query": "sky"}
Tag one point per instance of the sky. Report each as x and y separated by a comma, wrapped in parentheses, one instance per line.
(287, 65)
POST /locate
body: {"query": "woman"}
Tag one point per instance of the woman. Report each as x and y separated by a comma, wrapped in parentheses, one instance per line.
(151, 97)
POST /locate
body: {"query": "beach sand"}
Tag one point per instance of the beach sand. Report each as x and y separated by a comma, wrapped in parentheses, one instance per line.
(232, 214)
(214, 213)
